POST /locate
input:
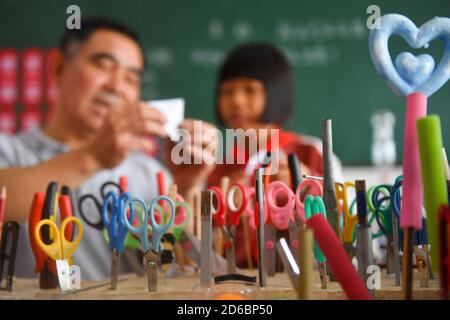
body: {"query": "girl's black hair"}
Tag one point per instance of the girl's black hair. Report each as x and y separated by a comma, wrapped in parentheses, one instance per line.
(266, 63)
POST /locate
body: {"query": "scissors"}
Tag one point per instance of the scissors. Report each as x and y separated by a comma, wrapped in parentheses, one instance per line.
(152, 254)
(283, 215)
(227, 215)
(98, 224)
(380, 200)
(171, 238)
(61, 248)
(315, 205)
(45, 206)
(350, 217)
(114, 217)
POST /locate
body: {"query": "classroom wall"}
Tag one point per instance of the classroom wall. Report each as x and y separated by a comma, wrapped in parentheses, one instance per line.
(185, 41)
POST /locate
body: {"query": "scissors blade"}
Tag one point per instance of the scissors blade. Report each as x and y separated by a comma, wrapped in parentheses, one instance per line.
(293, 238)
(115, 263)
(191, 246)
(323, 274)
(230, 249)
(135, 264)
(289, 263)
(271, 238)
(152, 260)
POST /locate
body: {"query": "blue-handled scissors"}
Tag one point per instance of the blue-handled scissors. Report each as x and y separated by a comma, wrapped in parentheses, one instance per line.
(114, 215)
(152, 254)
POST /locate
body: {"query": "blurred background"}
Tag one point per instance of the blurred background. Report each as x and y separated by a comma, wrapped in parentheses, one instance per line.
(185, 41)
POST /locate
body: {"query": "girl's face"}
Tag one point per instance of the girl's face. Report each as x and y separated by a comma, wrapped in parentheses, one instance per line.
(241, 102)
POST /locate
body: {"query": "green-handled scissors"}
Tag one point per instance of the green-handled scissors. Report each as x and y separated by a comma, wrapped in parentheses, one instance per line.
(315, 205)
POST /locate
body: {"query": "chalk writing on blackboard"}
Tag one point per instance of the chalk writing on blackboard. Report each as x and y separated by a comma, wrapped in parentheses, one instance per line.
(216, 29)
(312, 55)
(242, 30)
(160, 57)
(314, 30)
(206, 56)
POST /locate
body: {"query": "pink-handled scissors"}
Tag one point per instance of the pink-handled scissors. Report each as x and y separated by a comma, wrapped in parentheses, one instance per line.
(282, 214)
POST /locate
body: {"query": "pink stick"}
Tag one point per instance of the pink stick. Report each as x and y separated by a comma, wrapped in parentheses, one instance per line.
(412, 192)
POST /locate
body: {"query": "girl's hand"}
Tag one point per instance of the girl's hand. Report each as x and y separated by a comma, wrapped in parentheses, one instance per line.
(193, 159)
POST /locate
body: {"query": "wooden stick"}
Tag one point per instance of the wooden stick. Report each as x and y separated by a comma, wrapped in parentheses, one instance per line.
(407, 275)
(306, 263)
(247, 240)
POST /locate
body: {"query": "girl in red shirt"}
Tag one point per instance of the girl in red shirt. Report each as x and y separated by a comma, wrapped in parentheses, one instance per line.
(255, 89)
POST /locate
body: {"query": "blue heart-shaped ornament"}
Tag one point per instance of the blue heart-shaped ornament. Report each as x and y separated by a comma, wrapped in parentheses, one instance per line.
(411, 74)
(414, 70)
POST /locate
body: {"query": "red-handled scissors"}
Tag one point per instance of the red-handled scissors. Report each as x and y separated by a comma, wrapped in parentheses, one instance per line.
(227, 211)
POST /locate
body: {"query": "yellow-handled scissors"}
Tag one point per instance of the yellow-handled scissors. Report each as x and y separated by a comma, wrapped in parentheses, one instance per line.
(60, 248)
(350, 219)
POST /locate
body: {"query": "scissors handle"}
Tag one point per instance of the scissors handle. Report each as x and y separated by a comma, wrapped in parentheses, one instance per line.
(350, 219)
(396, 198)
(158, 230)
(60, 248)
(219, 211)
(141, 230)
(280, 215)
(180, 224)
(107, 184)
(235, 211)
(313, 206)
(69, 247)
(53, 249)
(99, 225)
(306, 187)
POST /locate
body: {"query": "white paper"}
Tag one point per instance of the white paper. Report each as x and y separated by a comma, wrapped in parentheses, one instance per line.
(173, 110)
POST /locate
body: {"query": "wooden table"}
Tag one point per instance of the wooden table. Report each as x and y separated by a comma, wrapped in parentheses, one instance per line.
(187, 287)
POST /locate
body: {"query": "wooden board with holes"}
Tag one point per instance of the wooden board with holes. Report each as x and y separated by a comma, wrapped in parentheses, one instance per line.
(188, 287)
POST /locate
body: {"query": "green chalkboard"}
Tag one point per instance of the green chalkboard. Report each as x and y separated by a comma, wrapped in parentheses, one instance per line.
(325, 40)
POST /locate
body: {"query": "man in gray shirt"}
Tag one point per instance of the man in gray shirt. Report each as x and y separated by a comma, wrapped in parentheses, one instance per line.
(99, 132)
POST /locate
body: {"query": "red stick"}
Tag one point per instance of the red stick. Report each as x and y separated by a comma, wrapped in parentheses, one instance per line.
(123, 183)
(338, 259)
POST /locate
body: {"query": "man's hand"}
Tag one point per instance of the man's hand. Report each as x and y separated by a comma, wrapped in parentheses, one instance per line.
(193, 159)
(125, 129)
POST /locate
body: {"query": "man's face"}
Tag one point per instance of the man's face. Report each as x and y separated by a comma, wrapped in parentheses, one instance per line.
(103, 71)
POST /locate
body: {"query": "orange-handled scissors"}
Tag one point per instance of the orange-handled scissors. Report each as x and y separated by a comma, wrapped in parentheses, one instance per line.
(60, 248)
